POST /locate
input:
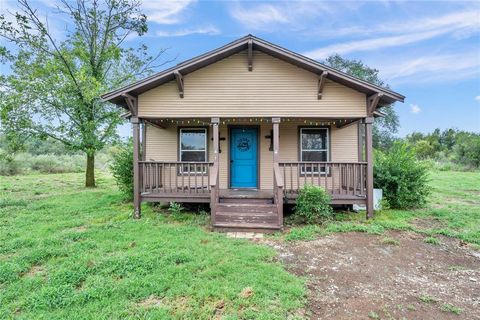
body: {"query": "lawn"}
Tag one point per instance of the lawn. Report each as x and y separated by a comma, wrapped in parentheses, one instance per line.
(453, 210)
(70, 253)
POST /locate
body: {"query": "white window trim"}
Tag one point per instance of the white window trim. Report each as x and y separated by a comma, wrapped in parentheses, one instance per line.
(180, 149)
(315, 171)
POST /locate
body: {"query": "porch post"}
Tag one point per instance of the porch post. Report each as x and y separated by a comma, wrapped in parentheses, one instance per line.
(369, 158)
(214, 176)
(144, 142)
(136, 170)
(216, 146)
(278, 182)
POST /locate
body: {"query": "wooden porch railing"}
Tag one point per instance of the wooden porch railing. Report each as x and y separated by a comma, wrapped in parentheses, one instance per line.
(278, 192)
(214, 189)
(175, 177)
(337, 178)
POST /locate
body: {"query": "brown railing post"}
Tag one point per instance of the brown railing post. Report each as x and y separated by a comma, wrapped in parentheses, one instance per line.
(136, 167)
(278, 180)
(214, 180)
(369, 158)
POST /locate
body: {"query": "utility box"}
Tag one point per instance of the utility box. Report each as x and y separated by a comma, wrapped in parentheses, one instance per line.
(377, 201)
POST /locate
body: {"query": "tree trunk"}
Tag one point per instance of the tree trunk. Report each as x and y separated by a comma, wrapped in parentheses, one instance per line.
(90, 173)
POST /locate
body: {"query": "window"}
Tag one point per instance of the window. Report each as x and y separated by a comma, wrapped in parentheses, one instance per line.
(193, 148)
(313, 148)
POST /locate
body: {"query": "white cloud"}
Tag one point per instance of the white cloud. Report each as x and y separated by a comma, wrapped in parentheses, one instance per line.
(206, 30)
(165, 11)
(414, 108)
(260, 16)
(431, 68)
(296, 15)
(459, 25)
(372, 44)
(477, 98)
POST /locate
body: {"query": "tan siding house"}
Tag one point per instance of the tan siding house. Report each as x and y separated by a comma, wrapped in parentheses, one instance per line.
(245, 126)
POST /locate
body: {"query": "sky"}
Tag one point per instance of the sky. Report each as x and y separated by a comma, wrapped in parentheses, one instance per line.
(428, 51)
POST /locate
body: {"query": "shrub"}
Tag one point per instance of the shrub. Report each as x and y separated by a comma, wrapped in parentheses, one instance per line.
(122, 170)
(313, 205)
(51, 163)
(175, 208)
(403, 178)
(9, 167)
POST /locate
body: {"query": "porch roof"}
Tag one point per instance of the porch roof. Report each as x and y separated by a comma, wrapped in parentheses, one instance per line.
(253, 43)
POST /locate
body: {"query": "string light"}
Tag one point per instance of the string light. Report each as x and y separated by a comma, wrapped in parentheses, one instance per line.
(224, 121)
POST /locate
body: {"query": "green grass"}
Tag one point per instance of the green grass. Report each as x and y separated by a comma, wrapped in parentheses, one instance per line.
(447, 307)
(453, 210)
(68, 252)
(427, 299)
(390, 241)
(431, 240)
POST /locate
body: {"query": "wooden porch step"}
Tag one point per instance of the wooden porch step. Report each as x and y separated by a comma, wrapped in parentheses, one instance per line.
(247, 208)
(251, 220)
(246, 200)
(249, 215)
(247, 227)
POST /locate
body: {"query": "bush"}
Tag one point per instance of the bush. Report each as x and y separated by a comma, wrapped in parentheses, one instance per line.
(175, 208)
(466, 151)
(122, 170)
(9, 167)
(313, 205)
(403, 178)
(51, 163)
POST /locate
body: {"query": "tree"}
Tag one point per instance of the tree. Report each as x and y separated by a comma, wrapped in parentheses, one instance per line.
(384, 128)
(54, 86)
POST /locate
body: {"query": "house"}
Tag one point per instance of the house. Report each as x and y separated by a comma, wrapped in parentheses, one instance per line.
(245, 126)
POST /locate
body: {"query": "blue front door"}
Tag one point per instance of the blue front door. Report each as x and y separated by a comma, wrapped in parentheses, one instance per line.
(243, 158)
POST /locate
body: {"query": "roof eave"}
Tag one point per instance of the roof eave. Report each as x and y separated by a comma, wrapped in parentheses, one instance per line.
(188, 66)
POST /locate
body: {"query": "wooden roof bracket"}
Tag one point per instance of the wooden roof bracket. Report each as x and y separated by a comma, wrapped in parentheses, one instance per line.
(180, 85)
(132, 103)
(372, 102)
(321, 83)
(250, 55)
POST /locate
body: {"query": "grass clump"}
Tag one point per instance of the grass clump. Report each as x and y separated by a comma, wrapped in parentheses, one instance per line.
(447, 307)
(390, 241)
(432, 240)
(308, 232)
(411, 307)
(427, 299)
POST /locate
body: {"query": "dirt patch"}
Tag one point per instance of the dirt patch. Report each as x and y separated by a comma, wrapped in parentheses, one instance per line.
(34, 271)
(427, 223)
(151, 302)
(362, 276)
(458, 201)
(472, 191)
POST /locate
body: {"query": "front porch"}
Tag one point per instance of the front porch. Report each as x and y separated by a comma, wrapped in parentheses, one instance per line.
(165, 182)
(259, 206)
